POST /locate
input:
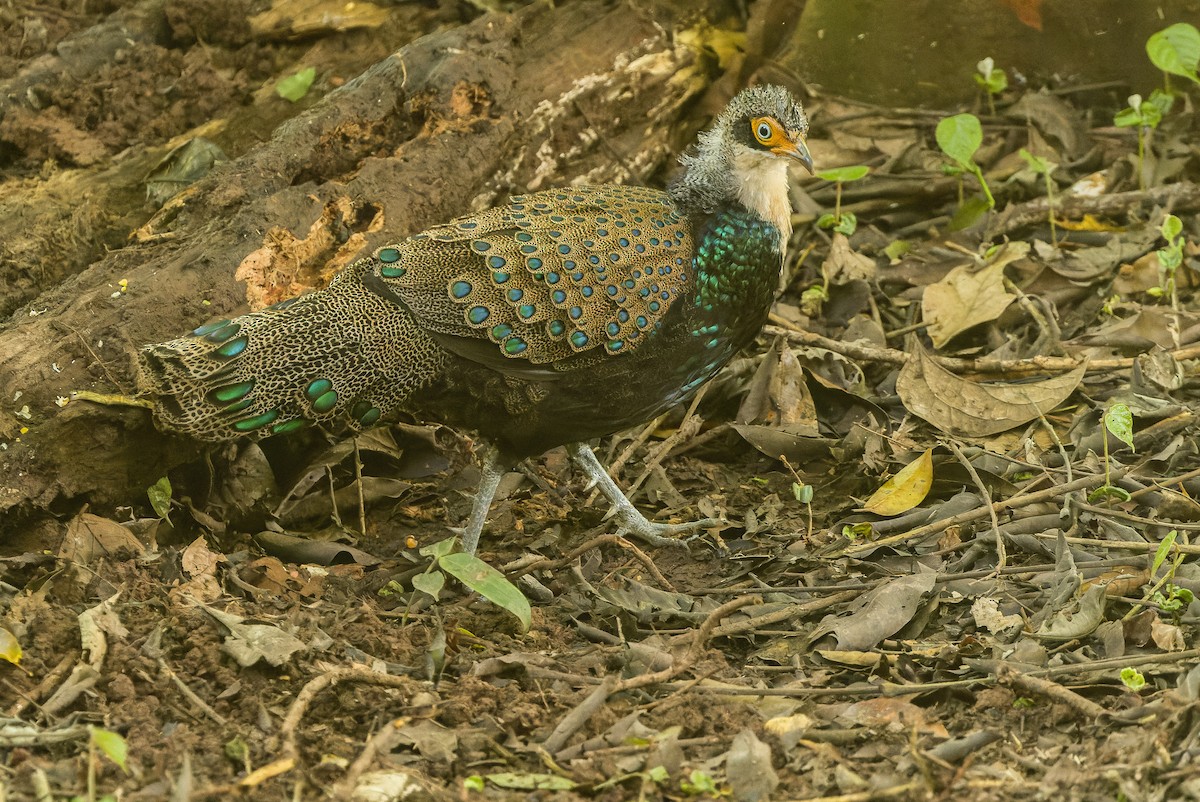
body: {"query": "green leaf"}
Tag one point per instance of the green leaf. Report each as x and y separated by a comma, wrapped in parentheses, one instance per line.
(1106, 492)
(1163, 101)
(969, 213)
(437, 550)
(528, 781)
(111, 744)
(803, 493)
(826, 220)
(848, 224)
(1176, 49)
(473, 783)
(844, 174)
(1171, 227)
(959, 137)
(1036, 163)
(1119, 420)
(296, 86)
(159, 494)
(430, 584)
(1127, 118)
(1132, 679)
(1164, 548)
(488, 583)
(897, 248)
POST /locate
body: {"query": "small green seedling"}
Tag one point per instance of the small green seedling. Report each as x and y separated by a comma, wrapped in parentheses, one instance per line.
(845, 223)
(1132, 679)
(1164, 593)
(1145, 115)
(1169, 259)
(294, 87)
(159, 494)
(960, 137)
(113, 747)
(1118, 421)
(700, 783)
(1043, 168)
(992, 80)
(472, 572)
(1176, 51)
(802, 492)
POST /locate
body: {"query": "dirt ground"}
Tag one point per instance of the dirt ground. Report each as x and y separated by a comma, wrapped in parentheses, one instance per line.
(254, 632)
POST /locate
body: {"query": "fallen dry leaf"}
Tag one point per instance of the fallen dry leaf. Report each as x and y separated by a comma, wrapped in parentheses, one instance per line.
(971, 409)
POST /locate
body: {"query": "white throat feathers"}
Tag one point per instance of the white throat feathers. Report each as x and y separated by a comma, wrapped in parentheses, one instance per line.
(761, 184)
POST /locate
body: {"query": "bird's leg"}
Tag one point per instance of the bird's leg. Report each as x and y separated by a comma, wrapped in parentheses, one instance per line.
(491, 471)
(631, 521)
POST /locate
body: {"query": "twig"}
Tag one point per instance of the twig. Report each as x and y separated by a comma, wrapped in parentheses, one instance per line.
(1009, 676)
(1001, 554)
(983, 366)
(295, 714)
(190, 695)
(579, 715)
(974, 515)
(699, 639)
(526, 567)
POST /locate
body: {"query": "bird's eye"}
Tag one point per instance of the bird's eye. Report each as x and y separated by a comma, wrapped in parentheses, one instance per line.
(763, 131)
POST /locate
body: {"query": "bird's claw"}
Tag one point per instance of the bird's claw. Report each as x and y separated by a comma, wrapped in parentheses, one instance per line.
(659, 534)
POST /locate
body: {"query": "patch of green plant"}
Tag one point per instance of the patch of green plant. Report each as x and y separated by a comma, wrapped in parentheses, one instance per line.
(472, 572)
(845, 223)
(853, 532)
(1176, 51)
(1044, 167)
(700, 783)
(1132, 679)
(1145, 115)
(1024, 703)
(159, 494)
(1169, 259)
(294, 87)
(1118, 421)
(960, 137)
(112, 746)
(992, 80)
(897, 248)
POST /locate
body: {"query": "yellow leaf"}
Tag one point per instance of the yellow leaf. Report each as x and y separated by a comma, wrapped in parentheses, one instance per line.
(1089, 223)
(10, 648)
(906, 489)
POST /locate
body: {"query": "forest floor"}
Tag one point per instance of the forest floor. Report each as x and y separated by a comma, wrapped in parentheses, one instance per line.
(1010, 617)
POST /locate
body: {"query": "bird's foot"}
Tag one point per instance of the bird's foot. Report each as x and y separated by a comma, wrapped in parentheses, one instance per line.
(660, 534)
(631, 521)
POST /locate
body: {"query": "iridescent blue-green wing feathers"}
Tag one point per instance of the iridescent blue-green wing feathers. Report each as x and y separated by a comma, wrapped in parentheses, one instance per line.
(548, 275)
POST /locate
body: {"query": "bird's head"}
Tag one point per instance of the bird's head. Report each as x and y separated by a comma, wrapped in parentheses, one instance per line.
(767, 123)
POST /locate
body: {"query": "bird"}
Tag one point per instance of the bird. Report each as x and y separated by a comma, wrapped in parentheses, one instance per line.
(553, 319)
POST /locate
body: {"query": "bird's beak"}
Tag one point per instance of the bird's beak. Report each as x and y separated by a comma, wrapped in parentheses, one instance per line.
(798, 151)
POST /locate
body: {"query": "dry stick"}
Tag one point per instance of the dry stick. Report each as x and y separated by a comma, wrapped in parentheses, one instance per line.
(573, 721)
(690, 426)
(985, 365)
(522, 567)
(699, 639)
(791, 611)
(287, 730)
(190, 695)
(1001, 554)
(380, 742)
(1182, 196)
(1049, 689)
(1121, 545)
(51, 680)
(973, 515)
